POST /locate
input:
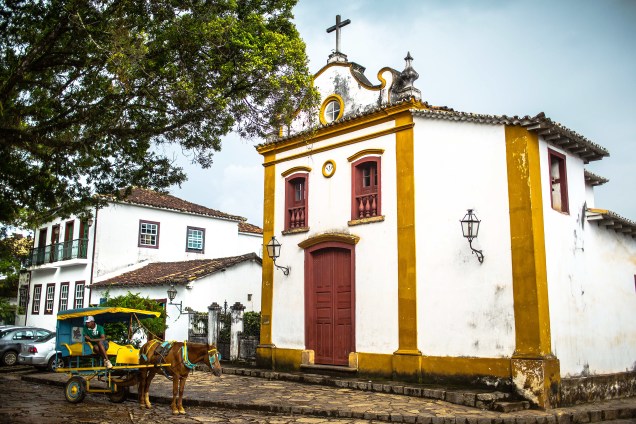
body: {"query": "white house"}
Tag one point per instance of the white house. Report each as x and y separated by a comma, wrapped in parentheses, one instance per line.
(382, 281)
(199, 283)
(70, 255)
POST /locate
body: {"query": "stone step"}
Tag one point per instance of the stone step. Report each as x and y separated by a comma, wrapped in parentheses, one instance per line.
(511, 406)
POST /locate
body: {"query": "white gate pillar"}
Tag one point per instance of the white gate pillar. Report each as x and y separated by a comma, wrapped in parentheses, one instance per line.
(213, 323)
(235, 329)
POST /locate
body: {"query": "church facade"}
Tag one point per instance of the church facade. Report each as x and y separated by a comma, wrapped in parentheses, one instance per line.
(381, 281)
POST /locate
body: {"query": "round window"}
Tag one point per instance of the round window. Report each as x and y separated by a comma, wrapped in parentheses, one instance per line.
(332, 111)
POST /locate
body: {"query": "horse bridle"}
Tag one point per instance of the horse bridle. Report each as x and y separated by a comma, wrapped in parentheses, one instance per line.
(216, 355)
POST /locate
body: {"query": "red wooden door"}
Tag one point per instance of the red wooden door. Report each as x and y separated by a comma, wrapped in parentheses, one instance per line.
(330, 306)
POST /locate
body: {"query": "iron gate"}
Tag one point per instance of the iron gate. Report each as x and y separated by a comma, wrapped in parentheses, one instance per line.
(198, 327)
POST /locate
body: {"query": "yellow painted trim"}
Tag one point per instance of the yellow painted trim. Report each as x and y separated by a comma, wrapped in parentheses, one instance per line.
(387, 114)
(527, 240)
(322, 238)
(328, 100)
(449, 366)
(407, 275)
(324, 168)
(341, 144)
(365, 152)
(595, 210)
(294, 170)
(267, 295)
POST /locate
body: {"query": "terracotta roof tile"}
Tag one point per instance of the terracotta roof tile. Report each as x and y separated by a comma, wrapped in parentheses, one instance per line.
(147, 197)
(245, 227)
(178, 273)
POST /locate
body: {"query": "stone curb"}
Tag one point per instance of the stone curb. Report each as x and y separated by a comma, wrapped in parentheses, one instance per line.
(575, 416)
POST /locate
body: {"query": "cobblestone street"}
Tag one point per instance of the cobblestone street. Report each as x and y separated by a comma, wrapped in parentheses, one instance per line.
(24, 402)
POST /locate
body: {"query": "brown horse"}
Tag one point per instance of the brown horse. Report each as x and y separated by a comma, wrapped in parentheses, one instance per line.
(182, 357)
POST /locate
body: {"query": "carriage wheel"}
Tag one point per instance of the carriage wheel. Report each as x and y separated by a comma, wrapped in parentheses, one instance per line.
(75, 389)
(118, 396)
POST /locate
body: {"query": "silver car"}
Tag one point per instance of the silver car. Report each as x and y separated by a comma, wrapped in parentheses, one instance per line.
(41, 354)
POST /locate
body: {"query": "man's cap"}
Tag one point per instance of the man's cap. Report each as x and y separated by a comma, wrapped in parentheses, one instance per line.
(90, 319)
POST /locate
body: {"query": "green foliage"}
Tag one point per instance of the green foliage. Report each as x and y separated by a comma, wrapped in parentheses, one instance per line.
(7, 312)
(120, 332)
(91, 91)
(13, 249)
(226, 322)
(252, 324)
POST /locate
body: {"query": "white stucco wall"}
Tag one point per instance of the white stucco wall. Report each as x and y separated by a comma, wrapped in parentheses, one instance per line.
(329, 204)
(71, 271)
(232, 285)
(118, 232)
(464, 308)
(591, 288)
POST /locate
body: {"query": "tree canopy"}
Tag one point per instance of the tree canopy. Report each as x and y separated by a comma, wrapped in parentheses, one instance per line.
(91, 90)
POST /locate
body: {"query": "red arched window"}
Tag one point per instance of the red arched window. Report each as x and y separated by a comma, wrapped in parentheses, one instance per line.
(365, 188)
(296, 210)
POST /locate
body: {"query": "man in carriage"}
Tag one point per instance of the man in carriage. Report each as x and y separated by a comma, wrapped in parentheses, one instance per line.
(95, 334)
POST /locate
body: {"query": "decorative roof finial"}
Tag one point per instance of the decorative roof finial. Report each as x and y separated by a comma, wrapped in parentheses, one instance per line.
(404, 87)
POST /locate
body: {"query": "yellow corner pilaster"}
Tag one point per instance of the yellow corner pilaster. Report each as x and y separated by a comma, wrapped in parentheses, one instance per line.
(529, 275)
(405, 192)
(267, 296)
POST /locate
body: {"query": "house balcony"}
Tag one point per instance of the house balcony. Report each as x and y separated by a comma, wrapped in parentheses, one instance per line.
(58, 255)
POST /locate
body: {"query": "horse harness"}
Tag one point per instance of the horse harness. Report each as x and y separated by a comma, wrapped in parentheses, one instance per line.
(165, 347)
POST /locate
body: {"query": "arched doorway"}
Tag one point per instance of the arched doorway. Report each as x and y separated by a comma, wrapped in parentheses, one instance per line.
(330, 301)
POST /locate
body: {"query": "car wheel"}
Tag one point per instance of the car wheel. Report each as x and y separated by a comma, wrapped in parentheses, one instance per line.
(10, 358)
(55, 362)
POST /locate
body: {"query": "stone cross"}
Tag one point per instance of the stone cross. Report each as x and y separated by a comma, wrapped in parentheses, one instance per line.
(336, 28)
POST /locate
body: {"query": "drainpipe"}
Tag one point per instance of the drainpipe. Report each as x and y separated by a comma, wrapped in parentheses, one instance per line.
(90, 287)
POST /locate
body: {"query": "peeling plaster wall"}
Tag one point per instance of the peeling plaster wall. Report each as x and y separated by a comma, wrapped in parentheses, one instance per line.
(464, 308)
(329, 210)
(357, 98)
(590, 284)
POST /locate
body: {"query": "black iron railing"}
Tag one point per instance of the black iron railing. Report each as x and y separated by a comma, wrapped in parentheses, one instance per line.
(64, 251)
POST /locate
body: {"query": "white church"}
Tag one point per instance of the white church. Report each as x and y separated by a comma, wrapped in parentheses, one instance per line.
(432, 245)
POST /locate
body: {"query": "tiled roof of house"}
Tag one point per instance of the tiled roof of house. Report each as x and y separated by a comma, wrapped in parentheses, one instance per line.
(612, 221)
(593, 179)
(553, 132)
(147, 197)
(178, 273)
(246, 227)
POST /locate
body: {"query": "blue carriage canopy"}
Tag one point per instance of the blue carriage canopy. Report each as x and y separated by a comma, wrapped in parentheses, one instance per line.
(106, 314)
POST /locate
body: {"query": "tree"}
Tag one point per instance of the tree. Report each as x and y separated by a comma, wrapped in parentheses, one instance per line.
(122, 333)
(91, 91)
(13, 250)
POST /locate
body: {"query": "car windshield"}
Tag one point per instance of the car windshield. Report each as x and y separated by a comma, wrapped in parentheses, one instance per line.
(46, 338)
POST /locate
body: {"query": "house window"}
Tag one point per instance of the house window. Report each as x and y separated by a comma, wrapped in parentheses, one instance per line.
(63, 305)
(79, 295)
(195, 240)
(50, 299)
(24, 297)
(558, 181)
(365, 184)
(37, 297)
(296, 201)
(332, 109)
(148, 234)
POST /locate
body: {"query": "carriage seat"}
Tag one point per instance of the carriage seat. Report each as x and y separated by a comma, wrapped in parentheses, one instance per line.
(77, 349)
(125, 355)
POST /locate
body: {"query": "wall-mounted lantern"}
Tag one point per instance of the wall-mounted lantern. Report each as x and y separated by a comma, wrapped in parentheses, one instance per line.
(470, 229)
(172, 293)
(273, 251)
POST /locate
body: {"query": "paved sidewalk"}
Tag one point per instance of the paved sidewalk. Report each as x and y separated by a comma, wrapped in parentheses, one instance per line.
(271, 392)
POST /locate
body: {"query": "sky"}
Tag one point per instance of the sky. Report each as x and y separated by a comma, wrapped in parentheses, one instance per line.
(573, 60)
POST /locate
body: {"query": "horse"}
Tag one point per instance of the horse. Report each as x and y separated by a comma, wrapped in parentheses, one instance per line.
(182, 357)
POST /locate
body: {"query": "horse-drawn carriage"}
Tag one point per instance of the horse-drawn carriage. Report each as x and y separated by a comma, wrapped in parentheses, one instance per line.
(130, 365)
(85, 367)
